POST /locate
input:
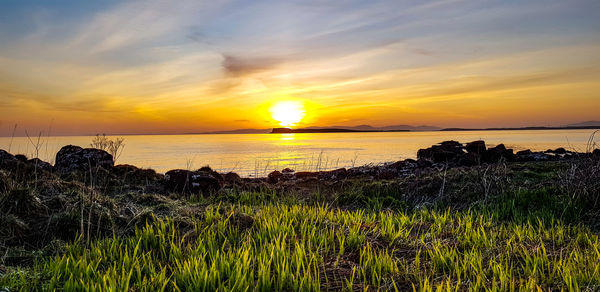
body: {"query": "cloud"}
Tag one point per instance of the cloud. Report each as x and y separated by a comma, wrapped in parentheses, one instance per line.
(237, 65)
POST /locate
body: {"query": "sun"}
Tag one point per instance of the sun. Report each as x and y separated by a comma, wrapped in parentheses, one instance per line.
(287, 113)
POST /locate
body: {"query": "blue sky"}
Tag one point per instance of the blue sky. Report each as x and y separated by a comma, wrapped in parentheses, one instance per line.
(168, 66)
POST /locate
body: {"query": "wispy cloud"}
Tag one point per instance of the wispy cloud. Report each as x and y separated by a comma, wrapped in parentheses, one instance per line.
(166, 61)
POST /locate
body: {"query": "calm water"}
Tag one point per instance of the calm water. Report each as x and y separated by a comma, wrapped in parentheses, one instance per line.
(258, 154)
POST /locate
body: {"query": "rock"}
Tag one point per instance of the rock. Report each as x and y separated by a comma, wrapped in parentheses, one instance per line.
(7, 160)
(231, 177)
(442, 153)
(191, 182)
(274, 177)
(340, 173)
(387, 174)
(560, 150)
(205, 168)
(528, 155)
(39, 164)
(596, 153)
(424, 163)
(306, 175)
(74, 158)
(477, 147)
(451, 144)
(132, 174)
(495, 154)
(21, 157)
(469, 159)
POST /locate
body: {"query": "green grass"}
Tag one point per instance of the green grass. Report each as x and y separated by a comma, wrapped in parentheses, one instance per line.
(310, 248)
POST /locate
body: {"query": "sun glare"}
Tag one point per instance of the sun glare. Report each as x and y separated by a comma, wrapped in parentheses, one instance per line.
(287, 113)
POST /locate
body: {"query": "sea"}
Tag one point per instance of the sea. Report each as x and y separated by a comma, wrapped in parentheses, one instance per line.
(255, 155)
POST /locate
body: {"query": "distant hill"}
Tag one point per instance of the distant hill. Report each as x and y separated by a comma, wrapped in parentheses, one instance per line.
(326, 130)
(241, 131)
(585, 124)
(379, 129)
(359, 128)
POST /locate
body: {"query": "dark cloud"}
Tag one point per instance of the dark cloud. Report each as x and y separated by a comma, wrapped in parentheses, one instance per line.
(236, 65)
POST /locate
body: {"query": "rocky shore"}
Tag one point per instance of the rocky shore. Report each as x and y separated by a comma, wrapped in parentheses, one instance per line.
(88, 164)
(85, 190)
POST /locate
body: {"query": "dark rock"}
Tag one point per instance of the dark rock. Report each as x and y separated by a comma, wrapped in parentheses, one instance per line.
(131, 174)
(7, 160)
(524, 152)
(451, 144)
(528, 155)
(423, 163)
(209, 171)
(306, 175)
(74, 158)
(387, 174)
(596, 153)
(274, 177)
(231, 177)
(205, 168)
(21, 157)
(191, 182)
(477, 147)
(469, 159)
(560, 150)
(39, 164)
(442, 153)
(340, 173)
(495, 154)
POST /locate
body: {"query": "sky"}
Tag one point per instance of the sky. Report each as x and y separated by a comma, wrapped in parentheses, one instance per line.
(139, 67)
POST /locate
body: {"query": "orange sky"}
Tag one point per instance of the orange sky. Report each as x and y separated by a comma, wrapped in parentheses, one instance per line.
(159, 67)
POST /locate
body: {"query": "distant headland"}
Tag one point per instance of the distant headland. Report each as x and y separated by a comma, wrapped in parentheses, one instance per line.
(327, 130)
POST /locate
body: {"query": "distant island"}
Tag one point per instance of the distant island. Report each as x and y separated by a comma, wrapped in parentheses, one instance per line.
(524, 128)
(401, 128)
(326, 130)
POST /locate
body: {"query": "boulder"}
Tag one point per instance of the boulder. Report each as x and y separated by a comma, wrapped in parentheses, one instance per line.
(21, 157)
(469, 159)
(209, 171)
(39, 164)
(191, 182)
(442, 153)
(7, 160)
(596, 153)
(528, 155)
(560, 151)
(132, 174)
(305, 175)
(231, 177)
(477, 147)
(340, 173)
(495, 154)
(274, 177)
(74, 158)
(387, 174)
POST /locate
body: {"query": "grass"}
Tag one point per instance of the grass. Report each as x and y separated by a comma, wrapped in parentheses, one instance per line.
(312, 248)
(505, 227)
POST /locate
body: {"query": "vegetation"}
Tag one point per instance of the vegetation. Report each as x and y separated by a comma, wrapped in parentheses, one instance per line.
(302, 248)
(502, 227)
(113, 146)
